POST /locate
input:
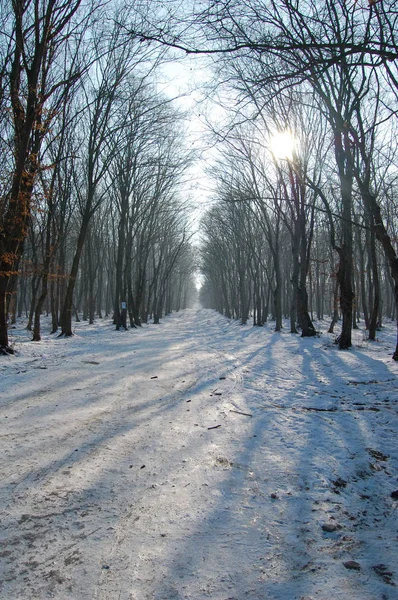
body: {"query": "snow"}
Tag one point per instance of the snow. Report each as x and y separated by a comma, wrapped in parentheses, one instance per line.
(128, 471)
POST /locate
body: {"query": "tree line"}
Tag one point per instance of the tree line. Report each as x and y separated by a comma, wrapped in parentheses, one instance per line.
(327, 71)
(93, 157)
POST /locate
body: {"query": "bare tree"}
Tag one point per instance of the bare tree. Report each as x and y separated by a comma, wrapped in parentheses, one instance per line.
(37, 35)
(103, 92)
(335, 46)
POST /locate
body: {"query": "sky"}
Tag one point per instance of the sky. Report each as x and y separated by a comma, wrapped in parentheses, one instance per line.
(187, 80)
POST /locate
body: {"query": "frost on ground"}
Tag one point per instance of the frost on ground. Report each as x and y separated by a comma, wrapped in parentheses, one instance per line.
(198, 459)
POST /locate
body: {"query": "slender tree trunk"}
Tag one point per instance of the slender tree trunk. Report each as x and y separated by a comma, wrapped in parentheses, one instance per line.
(21, 295)
(54, 307)
(35, 288)
(119, 271)
(335, 316)
(277, 293)
(388, 247)
(294, 281)
(362, 281)
(344, 273)
(66, 327)
(376, 288)
(306, 324)
(44, 277)
(4, 346)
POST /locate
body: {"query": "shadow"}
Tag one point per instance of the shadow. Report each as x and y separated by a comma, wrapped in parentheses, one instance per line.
(137, 499)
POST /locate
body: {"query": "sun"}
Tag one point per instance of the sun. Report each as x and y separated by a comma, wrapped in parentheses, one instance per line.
(283, 145)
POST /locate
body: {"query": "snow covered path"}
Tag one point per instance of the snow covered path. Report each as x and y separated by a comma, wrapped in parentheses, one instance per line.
(198, 459)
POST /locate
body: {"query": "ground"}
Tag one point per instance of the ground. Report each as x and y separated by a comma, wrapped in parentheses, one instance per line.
(198, 459)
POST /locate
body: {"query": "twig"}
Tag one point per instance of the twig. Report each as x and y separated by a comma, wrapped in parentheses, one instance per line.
(214, 427)
(238, 412)
(333, 409)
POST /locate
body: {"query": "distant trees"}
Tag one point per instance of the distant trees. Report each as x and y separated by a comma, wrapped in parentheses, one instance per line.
(345, 54)
(147, 169)
(90, 213)
(290, 206)
(100, 131)
(92, 160)
(312, 55)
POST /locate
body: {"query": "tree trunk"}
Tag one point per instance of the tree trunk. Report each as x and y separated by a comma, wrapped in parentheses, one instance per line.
(335, 316)
(5, 348)
(373, 322)
(119, 270)
(295, 282)
(44, 276)
(344, 273)
(54, 307)
(344, 276)
(307, 327)
(35, 287)
(362, 280)
(66, 319)
(390, 253)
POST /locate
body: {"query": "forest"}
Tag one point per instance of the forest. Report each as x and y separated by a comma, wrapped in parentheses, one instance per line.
(95, 213)
(198, 299)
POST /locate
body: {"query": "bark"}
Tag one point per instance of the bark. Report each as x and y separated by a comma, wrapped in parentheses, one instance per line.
(66, 315)
(54, 307)
(389, 250)
(277, 293)
(344, 276)
(44, 276)
(344, 272)
(295, 282)
(307, 327)
(119, 264)
(361, 259)
(335, 316)
(35, 287)
(14, 231)
(373, 322)
(12, 299)
(5, 348)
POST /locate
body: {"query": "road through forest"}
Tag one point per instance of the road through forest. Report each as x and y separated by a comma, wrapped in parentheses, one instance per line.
(198, 459)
